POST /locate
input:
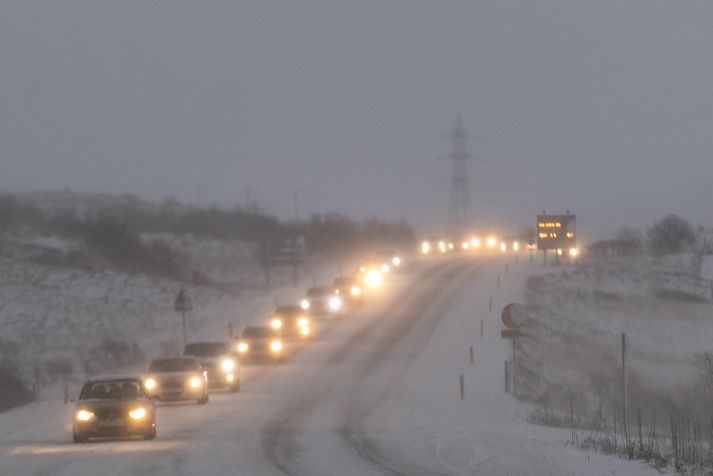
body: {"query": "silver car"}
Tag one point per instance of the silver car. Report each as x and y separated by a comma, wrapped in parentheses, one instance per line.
(176, 379)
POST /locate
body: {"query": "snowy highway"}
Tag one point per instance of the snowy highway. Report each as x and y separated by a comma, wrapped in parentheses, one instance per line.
(376, 393)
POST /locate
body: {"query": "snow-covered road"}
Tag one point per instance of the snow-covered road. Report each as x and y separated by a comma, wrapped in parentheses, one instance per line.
(377, 393)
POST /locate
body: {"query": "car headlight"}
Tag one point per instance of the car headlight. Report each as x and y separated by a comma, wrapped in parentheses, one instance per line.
(137, 413)
(425, 248)
(491, 242)
(302, 322)
(335, 303)
(385, 268)
(276, 346)
(356, 291)
(374, 279)
(85, 415)
(475, 242)
(230, 378)
(515, 246)
(362, 269)
(304, 304)
(243, 347)
(304, 331)
(150, 384)
(276, 323)
(195, 382)
(396, 261)
(228, 365)
(442, 246)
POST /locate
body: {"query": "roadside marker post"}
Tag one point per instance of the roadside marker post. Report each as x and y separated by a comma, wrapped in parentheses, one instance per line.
(472, 356)
(462, 387)
(481, 328)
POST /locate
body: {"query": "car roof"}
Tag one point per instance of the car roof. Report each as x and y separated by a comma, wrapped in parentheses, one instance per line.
(103, 377)
(288, 309)
(175, 357)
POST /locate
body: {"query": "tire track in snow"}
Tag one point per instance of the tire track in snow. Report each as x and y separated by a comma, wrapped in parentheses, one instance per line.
(280, 435)
(353, 430)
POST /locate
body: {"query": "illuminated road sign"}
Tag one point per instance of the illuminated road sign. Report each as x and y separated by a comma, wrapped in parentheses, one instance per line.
(556, 232)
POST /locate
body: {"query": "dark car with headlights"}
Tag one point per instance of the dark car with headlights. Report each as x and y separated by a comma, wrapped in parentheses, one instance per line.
(322, 301)
(291, 322)
(349, 289)
(176, 379)
(112, 406)
(260, 343)
(219, 362)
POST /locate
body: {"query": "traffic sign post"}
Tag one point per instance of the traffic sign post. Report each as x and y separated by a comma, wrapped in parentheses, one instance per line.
(514, 317)
(183, 305)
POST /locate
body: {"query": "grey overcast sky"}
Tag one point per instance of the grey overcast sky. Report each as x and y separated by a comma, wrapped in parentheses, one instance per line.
(603, 107)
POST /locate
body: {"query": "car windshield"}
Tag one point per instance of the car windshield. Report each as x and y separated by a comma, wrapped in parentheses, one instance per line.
(173, 365)
(318, 292)
(287, 311)
(206, 349)
(259, 332)
(111, 390)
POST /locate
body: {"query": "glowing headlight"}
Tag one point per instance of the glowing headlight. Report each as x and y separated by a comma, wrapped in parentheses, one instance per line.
(515, 246)
(137, 413)
(304, 304)
(150, 384)
(374, 279)
(475, 243)
(425, 248)
(362, 269)
(356, 291)
(450, 246)
(335, 303)
(228, 365)
(385, 268)
(396, 261)
(276, 346)
(195, 382)
(304, 331)
(243, 347)
(491, 242)
(503, 247)
(229, 378)
(442, 246)
(465, 245)
(276, 323)
(84, 415)
(559, 252)
(573, 252)
(302, 322)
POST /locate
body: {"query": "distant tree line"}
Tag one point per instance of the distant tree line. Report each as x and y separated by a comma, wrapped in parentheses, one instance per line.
(112, 233)
(671, 235)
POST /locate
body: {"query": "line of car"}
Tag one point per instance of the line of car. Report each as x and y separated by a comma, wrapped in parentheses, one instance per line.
(121, 405)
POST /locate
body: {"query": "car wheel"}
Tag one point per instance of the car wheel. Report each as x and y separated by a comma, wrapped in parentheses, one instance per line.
(203, 400)
(151, 434)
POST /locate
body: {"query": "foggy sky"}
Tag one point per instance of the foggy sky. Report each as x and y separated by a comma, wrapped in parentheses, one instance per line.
(605, 107)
